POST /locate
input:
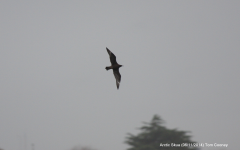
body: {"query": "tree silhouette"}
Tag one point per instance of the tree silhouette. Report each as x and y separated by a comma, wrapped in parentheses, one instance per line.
(154, 133)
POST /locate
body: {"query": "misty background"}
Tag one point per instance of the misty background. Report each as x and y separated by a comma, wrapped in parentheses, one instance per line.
(181, 61)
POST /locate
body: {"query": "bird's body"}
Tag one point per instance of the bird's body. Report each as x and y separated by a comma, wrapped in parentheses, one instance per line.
(115, 67)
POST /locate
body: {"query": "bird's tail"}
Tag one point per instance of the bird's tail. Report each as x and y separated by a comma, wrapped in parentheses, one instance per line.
(107, 68)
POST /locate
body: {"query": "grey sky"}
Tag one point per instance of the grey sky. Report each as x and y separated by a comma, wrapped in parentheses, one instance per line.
(181, 61)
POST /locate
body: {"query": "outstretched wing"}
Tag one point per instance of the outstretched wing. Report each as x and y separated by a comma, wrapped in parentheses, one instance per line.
(112, 57)
(117, 76)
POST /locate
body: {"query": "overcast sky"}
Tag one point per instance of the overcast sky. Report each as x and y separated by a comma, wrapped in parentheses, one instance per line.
(181, 61)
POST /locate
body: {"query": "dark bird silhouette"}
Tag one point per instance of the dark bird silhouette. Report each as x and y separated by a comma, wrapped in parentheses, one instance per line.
(115, 67)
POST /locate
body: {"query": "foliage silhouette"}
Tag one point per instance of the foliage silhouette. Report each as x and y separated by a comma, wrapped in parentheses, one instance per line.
(154, 133)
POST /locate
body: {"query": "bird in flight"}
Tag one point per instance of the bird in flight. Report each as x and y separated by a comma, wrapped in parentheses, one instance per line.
(115, 67)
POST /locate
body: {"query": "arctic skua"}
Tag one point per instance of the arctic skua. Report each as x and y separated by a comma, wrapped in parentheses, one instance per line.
(115, 67)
